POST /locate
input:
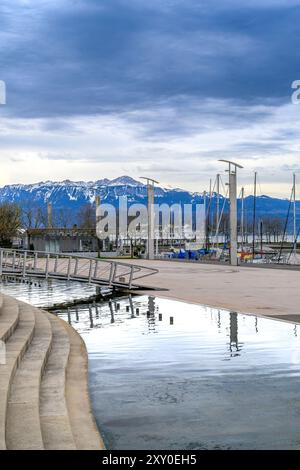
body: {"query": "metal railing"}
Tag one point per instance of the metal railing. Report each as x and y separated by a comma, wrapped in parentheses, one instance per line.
(96, 271)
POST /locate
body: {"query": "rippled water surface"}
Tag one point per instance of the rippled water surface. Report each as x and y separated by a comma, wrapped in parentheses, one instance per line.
(170, 375)
(46, 293)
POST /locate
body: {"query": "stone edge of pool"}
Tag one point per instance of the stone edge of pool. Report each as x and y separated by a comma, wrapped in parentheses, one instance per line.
(47, 365)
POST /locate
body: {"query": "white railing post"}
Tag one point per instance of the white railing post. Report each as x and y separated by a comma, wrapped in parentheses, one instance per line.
(24, 263)
(69, 268)
(1, 261)
(47, 266)
(112, 273)
(35, 261)
(90, 271)
(131, 276)
(96, 269)
(76, 267)
(55, 263)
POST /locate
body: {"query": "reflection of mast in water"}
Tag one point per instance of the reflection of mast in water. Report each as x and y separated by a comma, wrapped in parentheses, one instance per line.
(295, 331)
(112, 317)
(151, 314)
(256, 325)
(234, 342)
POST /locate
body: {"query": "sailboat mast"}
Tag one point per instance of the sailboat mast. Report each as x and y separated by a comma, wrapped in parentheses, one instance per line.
(294, 213)
(254, 215)
(218, 201)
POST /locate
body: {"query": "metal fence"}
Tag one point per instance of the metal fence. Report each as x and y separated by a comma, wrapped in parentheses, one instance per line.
(71, 267)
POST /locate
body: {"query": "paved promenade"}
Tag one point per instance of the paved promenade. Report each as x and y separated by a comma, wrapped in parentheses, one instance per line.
(261, 291)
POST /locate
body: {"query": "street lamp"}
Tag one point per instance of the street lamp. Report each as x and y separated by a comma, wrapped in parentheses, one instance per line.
(232, 170)
(151, 215)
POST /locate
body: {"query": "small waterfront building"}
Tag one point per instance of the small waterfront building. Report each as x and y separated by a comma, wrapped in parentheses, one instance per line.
(62, 240)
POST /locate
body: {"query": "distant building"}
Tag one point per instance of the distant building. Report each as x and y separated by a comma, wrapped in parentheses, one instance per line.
(62, 240)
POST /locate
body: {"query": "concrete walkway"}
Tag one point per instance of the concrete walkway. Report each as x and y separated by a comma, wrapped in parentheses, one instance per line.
(44, 399)
(268, 292)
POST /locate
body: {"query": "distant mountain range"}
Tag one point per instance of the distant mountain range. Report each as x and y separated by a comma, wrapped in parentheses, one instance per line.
(69, 196)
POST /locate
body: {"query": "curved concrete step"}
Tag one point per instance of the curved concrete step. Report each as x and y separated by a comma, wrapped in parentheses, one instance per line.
(44, 397)
(9, 317)
(23, 411)
(16, 347)
(55, 423)
(83, 424)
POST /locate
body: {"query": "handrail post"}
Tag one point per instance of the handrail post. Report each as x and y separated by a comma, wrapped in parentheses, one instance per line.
(55, 263)
(131, 276)
(14, 260)
(47, 266)
(112, 273)
(69, 268)
(76, 267)
(35, 261)
(96, 269)
(1, 261)
(24, 263)
(90, 271)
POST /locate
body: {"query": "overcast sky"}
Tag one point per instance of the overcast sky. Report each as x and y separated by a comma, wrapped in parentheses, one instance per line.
(162, 88)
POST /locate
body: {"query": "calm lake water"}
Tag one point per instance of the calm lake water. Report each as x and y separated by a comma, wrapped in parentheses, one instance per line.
(172, 375)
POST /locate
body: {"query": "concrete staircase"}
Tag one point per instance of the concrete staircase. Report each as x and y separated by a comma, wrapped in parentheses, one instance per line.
(44, 398)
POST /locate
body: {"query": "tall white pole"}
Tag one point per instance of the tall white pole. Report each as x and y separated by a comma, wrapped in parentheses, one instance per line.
(233, 218)
(218, 201)
(242, 218)
(232, 169)
(151, 217)
(295, 221)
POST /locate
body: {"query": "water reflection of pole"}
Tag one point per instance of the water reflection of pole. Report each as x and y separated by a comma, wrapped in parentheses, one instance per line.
(234, 331)
(295, 331)
(151, 305)
(219, 320)
(131, 306)
(112, 317)
(97, 311)
(76, 314)
(256, 325)
(69, 316)
(91, 316)
(151, 314)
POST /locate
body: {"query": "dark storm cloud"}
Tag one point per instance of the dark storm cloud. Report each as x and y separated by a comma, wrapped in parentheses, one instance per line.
(73, 58)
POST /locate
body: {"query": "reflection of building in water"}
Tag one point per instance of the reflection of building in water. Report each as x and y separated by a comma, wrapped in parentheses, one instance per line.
(234, 342)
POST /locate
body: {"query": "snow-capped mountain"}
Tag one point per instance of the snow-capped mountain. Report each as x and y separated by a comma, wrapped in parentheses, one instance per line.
(71, 195)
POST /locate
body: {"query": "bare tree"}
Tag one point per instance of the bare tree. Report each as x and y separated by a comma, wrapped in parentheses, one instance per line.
(33, 216)
(87, 217)
(10, 222)
(63, 218)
